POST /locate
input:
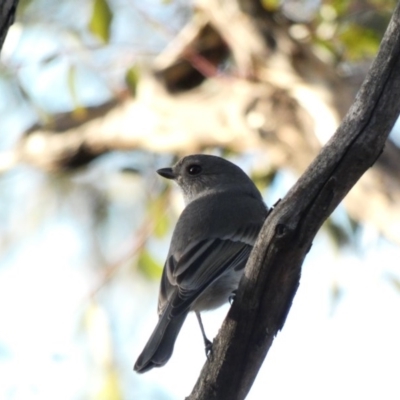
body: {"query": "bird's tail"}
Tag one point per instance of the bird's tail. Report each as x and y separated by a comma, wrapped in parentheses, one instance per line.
(159, 347)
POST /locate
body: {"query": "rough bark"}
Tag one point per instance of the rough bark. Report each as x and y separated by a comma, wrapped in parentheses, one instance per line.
(8, 9)
(272, 275)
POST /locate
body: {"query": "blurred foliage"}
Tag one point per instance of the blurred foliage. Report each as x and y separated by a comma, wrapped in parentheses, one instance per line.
(148, 265)
(395, 281)
(339, 235)
(263, 181)
(79, 112)
(110, 389)
(271, 5)
(336, 295)
(101, 19)
(342, 231)
(348, 30)
(163, 223)
(131, 79)
(105, 382)
(358, 42)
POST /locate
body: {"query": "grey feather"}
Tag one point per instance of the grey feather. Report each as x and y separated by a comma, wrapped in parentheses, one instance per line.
(210, 246)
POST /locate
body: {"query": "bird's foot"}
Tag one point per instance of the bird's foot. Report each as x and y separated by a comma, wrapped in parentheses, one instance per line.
(208, 348)
(232, 297)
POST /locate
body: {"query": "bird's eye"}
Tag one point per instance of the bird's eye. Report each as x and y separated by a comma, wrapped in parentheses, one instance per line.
(193, 169)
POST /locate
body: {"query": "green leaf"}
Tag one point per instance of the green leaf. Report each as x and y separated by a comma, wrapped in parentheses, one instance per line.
(340, 6)
(150, 267)
(358, 42)
(100, 21)
(131, 79)
(271, 5)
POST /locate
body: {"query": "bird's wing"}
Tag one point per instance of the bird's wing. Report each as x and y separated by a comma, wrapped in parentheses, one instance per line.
(202, 250)
(201, 265)
(189, 271)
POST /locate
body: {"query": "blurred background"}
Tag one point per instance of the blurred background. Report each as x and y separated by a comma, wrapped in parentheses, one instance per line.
(95, 95)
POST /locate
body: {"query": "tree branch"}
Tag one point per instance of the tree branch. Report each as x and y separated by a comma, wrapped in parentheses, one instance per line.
(272, 275)
(7, 15)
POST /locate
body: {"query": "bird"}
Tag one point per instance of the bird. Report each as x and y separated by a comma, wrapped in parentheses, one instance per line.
(211, 242)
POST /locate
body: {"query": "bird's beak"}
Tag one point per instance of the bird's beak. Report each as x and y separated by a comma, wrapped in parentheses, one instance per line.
(166, 173)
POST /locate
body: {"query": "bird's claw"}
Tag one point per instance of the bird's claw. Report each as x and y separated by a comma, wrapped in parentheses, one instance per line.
(232, 297)
(208, 348)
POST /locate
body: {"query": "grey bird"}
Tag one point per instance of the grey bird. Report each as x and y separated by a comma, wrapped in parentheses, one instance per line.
(209, 249)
